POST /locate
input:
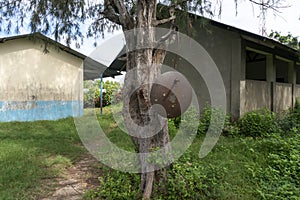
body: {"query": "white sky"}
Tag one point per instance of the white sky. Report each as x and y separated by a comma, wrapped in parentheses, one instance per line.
(247, 17)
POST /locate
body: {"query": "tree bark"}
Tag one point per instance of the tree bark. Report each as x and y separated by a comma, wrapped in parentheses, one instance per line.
(146, 63)
(143, 66)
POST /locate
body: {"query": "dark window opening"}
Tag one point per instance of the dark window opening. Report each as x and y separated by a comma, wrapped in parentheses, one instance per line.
(282, 71)
(255, 66)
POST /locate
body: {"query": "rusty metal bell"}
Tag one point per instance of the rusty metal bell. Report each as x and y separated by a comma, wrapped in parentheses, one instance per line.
(172, 91)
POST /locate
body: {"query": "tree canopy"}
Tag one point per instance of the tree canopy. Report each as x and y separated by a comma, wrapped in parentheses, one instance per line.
(289, 39)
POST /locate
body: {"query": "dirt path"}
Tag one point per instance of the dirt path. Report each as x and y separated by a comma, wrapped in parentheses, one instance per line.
(82, 176)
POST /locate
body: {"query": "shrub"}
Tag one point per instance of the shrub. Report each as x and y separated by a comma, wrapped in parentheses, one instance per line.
(217, 121)
(258, 123)
(116, 185)
(205, 120)
(188, 121)
(290, 119)
(190, 179)
(113, 92)
(286, 121)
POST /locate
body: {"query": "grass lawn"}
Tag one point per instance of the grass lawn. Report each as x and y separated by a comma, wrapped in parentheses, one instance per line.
(237, 168)
(32, 152)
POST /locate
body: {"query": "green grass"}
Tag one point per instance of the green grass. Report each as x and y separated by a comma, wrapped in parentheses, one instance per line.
(32, 152)
(237, 168)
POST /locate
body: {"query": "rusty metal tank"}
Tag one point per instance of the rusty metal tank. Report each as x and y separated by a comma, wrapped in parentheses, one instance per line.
(172, 91)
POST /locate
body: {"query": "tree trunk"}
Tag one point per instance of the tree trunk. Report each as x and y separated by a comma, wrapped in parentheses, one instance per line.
(143, 66)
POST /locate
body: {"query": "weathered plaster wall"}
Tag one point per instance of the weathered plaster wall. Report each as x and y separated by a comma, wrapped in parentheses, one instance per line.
(255, 95)
(297, 93)
(224, 47)
(283, 96)
(35, 85)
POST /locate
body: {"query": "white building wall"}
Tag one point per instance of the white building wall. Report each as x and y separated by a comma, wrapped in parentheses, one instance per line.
(37, 86)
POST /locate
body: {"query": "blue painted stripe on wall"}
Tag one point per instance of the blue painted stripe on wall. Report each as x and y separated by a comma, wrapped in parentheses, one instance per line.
(39, 110)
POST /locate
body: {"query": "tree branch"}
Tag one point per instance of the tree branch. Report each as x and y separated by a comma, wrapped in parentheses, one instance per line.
(163, 21)
(269, 6)
(165, 40)
(124, 16)
(110, 13)
(111, 16)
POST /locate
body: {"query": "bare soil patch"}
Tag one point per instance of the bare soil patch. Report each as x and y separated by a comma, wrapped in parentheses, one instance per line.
(80, 177)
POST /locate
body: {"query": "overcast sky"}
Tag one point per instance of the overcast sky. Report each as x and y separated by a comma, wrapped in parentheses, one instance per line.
(247, 17)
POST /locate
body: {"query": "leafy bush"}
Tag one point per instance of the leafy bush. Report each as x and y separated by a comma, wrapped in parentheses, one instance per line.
(258, 123)
(286, 121)
(290, 119)
(205, 120)
(116, 185)
(113, 92)
(187, 179)
(217, 121)
(91, 92)
(190, 180)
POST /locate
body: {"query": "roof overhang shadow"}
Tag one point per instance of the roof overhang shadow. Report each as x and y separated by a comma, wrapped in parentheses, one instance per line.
(93, 70)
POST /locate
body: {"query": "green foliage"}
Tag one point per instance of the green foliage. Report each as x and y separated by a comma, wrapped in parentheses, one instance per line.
(189, 179)
(258, 123)
(212, 118)
(205, 119)
(262, 123)
(278, 176)
(288, 39)
(111, 95)
(58, 18)
(237, 168)
(116, 185)
(112, 92)
(287, 121)
(92, 93)
(172, 128)
(64, 19)
(290, 119)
